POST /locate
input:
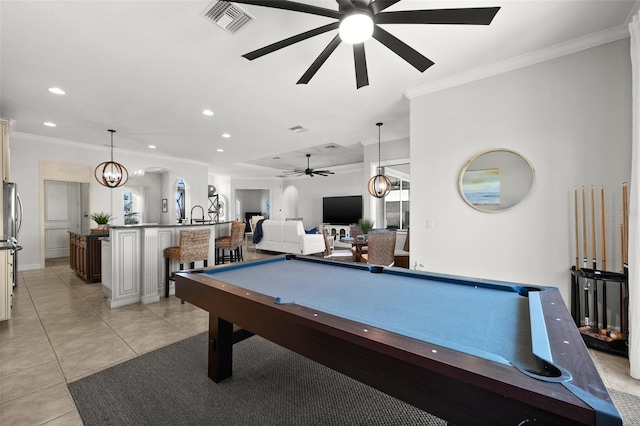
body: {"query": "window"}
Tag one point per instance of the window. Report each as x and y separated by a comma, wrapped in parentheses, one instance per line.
(180, 213)
(130, 217)
(396, 204)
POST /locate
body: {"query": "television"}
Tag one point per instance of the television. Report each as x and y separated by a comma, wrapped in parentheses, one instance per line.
(342, 210)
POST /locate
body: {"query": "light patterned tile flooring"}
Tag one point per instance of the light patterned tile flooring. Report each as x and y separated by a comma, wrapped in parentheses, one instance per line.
(62, 330)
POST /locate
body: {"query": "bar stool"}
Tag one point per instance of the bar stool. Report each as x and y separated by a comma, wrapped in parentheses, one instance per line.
(193, 247)
(232, 242)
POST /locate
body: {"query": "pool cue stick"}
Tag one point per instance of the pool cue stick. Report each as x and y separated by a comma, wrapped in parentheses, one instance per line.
(625, 223)
(577, 235)
(625, 258)
(584, 230)
(585, 284)
(603, 231)
(594, 255)
(593, 229)
(603, 262)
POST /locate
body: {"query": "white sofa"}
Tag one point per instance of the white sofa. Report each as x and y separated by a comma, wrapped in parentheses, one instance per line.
(289, 237)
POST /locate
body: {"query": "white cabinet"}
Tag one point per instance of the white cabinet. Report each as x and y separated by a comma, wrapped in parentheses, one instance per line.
(6, 284)
(338, 232)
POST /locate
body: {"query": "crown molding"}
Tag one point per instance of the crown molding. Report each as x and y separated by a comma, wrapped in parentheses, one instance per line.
(557, 50)
(82, 145)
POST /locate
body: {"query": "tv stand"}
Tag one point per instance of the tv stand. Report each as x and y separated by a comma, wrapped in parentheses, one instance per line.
(337, 231)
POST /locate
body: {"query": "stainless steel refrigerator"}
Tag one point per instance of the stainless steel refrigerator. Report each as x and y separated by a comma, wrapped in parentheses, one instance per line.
(12, 218)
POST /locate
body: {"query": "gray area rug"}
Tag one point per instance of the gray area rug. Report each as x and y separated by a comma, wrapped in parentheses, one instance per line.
(270, 386)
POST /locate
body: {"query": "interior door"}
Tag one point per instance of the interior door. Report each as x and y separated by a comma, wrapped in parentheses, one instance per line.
(61, 215)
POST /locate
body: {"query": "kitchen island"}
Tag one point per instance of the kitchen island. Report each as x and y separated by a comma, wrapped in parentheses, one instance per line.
(85, 255)
(133, 262)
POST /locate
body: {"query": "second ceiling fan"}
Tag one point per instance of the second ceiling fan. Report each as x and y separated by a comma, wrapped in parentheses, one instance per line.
(309, 171)
(371, 14)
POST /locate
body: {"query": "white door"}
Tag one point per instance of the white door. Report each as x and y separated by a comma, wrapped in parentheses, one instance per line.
(61, 215)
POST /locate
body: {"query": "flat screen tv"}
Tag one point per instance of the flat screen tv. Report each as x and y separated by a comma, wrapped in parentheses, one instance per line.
(342, 210)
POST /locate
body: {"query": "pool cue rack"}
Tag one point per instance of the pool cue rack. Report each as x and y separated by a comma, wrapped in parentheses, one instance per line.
(589, 283)
(597, 334)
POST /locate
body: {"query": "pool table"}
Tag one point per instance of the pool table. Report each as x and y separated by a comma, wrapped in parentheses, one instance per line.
(470, 351)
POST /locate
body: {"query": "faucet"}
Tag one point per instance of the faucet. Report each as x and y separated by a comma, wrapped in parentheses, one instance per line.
(197, 220)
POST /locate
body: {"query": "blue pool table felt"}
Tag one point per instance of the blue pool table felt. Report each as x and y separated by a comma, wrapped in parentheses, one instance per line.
(484, 322)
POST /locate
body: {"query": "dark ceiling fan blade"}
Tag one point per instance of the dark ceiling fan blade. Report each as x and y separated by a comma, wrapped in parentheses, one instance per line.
(315, 66)
(291, 5)
(406, 52)
(289, 41)
(462, 16)
(323, 172)
(362, 76)
(380, 5)
(345, 5)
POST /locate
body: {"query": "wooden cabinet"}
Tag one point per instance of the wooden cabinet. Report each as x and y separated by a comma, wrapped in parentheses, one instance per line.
(85, 256)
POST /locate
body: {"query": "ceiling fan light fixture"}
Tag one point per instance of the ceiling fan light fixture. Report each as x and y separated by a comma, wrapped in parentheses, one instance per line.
(356, 27)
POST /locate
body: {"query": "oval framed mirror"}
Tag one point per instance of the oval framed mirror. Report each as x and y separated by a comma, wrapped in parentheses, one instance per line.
(496, 180)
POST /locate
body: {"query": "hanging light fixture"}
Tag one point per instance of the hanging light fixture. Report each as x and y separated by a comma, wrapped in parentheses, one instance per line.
(379, 186)
(110, 173)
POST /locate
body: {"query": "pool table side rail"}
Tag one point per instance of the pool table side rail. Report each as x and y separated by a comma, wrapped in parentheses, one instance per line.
(397, 365)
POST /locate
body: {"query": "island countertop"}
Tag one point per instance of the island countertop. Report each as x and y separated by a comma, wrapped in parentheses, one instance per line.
(160, 225)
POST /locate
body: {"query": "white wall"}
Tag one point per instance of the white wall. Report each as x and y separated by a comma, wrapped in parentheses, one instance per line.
(570, 116)
(311, 190)
(27, 153)
(274, 186)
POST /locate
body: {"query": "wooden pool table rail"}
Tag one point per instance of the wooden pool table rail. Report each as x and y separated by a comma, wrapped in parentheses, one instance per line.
(460, 388)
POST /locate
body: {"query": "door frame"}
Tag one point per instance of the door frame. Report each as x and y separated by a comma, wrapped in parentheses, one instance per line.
(66, 172)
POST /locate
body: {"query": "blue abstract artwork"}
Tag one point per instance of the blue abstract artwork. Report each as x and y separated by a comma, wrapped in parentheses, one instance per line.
(482, 187)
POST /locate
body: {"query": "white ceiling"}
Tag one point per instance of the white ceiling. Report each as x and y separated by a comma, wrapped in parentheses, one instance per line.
(148, 68)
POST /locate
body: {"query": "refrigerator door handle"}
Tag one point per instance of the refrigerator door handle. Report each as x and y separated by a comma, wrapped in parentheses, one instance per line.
(20, 215)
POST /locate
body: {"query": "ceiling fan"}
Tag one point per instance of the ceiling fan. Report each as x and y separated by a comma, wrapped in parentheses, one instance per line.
(309, 171)
(371, 13)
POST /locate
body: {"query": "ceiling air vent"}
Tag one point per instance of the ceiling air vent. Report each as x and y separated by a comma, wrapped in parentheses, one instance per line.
(298, 129)
(227, 16)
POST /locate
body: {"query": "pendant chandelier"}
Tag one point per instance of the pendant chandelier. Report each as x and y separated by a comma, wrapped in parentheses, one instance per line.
(110, 173)
(379, 186)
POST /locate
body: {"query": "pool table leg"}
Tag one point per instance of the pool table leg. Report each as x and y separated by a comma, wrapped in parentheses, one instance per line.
(220, 348)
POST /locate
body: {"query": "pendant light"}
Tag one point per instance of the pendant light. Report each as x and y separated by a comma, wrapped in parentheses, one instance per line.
(110, 173)
(379, 186)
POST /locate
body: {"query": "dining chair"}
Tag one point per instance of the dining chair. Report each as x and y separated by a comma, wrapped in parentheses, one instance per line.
(354, 231)
(382, 245)
(332, 254)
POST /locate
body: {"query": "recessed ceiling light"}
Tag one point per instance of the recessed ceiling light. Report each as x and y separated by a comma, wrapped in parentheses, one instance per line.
(220, 150)
(56, 90)
(49, 124)
(151, 146)
(207, 112)
(226, 135)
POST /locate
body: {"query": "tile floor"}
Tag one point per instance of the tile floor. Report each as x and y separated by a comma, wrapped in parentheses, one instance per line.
(62, 330)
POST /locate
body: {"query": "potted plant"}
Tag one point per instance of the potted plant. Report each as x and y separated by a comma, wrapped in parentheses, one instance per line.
(366, 225)
(102, 219)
